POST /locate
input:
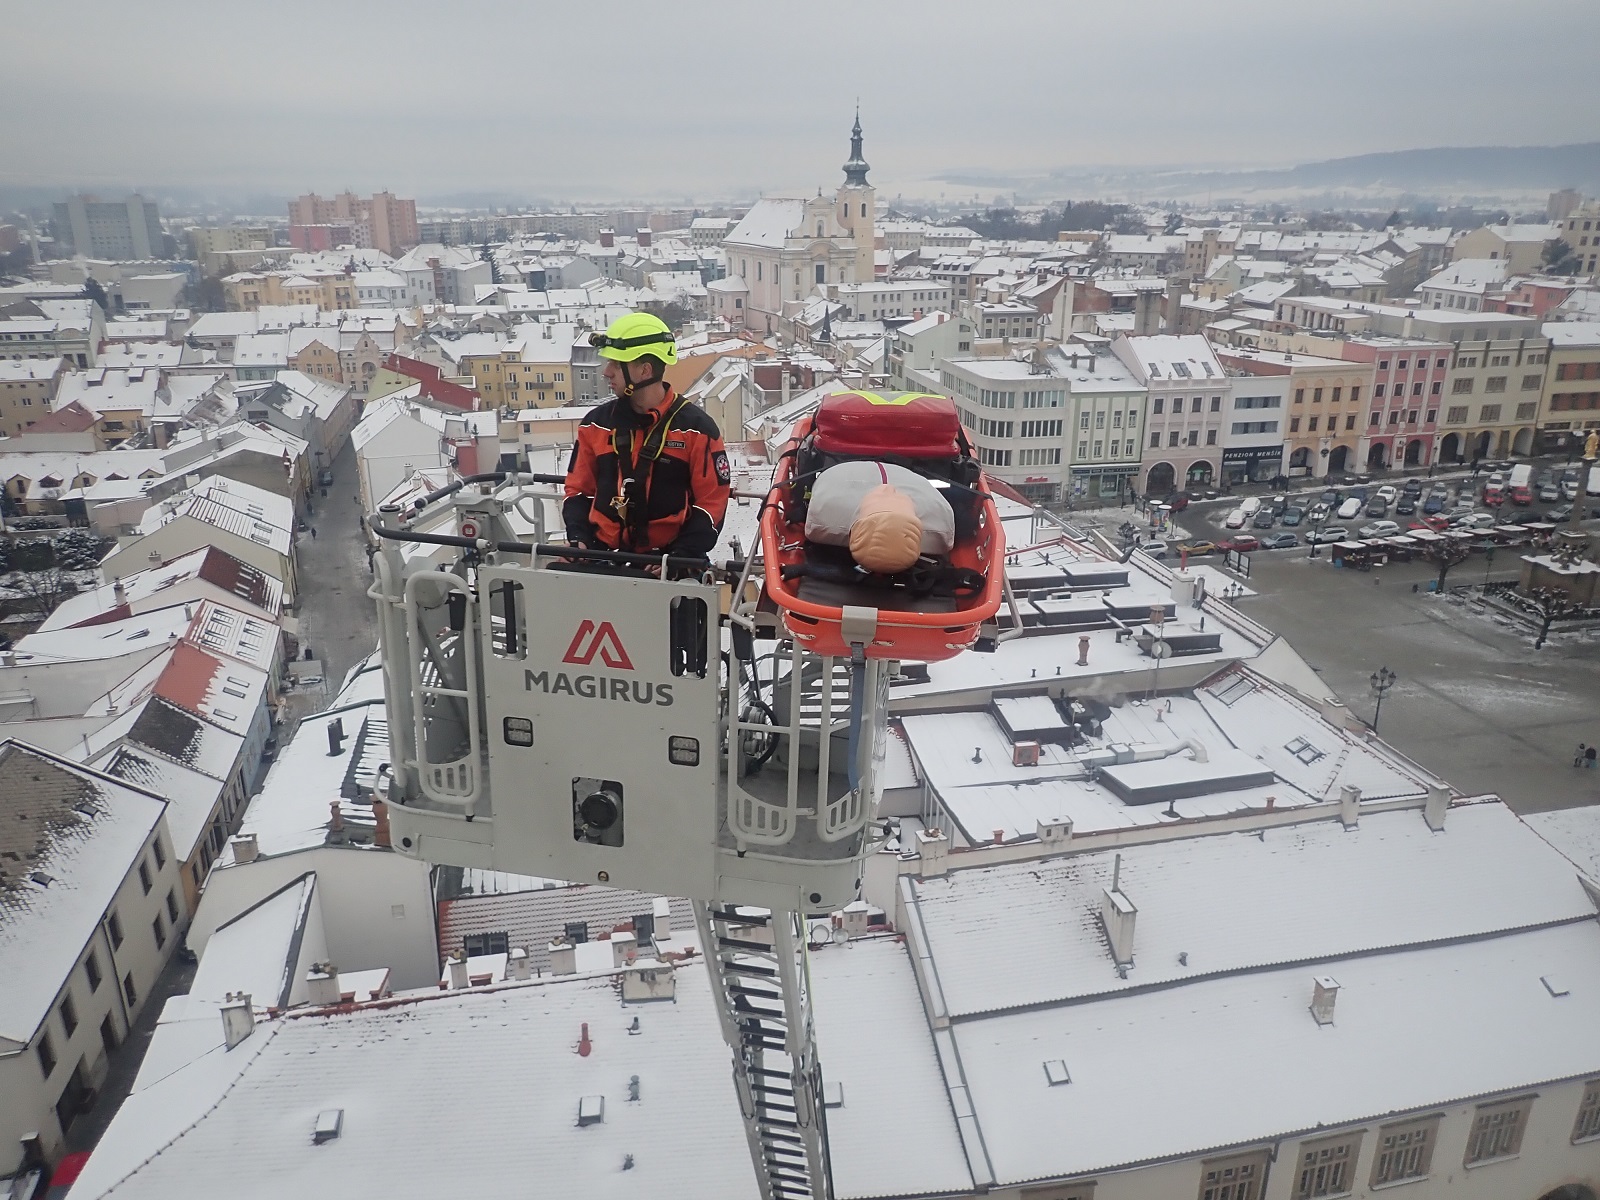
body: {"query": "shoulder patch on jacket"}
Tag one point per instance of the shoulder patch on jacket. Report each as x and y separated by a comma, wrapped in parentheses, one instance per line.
(719, 460)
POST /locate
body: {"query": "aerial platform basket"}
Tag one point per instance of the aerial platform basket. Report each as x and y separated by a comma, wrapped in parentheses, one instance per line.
(929, 613)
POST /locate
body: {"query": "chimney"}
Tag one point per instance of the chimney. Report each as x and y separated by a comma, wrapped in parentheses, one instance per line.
(649, 980)
(238, 1018)
(1055, 832)
(1146, 319)
(663, 915)
(563, 957)
(1324, 991)
(336, 737)
(335, 823)
(1438, 802)
(380, 832)
(1083, 651)
(1118, 915)
(322, 984)
(459, 979)
(118, 592)
(1349, 805)
(519, 965)
(245, 849)
(933, 851)
(624, 948)
(1182, 589)
(643, 237)
(608, 239)
(1175, 294)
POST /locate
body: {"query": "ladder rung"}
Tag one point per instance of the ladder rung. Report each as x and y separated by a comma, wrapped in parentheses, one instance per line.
(737, 968)
(734, 918)
(739, 944)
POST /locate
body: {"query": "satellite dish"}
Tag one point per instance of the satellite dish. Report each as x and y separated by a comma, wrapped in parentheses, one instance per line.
(840, 937)
(820, 934)
(1160, 649)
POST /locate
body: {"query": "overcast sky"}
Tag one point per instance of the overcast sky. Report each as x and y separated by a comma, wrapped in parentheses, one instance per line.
(715, 98)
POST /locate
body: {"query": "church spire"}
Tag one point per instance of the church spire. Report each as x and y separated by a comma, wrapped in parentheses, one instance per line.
(855, 171)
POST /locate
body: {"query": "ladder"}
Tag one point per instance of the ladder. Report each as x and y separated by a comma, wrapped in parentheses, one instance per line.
(763, 1002)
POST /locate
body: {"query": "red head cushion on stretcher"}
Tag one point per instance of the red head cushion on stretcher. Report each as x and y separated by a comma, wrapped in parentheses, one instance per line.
(892, 424)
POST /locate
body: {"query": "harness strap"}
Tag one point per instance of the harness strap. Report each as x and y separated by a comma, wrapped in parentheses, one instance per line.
(634, 470)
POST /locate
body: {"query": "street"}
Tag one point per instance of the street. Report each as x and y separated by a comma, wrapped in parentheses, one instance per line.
(337, 621)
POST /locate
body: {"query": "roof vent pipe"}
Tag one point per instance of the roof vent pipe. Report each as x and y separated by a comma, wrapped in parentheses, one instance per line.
(1349, 805)
(1437, 803)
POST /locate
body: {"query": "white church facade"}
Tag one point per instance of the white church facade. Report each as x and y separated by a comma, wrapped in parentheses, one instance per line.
(787, 249)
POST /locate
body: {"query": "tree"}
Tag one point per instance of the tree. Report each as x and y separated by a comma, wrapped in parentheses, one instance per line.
(79, 549)
(43, 590)
(487, 255)
(675, 314)
(1448, 554)
(1555, 254)
(1548, 604)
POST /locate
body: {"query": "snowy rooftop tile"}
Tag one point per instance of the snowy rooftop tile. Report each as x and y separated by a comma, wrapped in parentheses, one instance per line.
(68, 838)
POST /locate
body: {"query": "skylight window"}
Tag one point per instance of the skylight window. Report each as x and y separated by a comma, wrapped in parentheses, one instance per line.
(1304, 751)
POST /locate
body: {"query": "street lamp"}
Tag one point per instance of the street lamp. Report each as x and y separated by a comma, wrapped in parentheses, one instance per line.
(1380, 681)
(1316, 536)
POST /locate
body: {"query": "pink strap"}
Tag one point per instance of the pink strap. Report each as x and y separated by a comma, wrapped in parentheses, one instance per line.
(882, 472)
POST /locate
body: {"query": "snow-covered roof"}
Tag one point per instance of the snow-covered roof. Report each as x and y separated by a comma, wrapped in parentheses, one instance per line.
(240, 1122)
(769, 222)
(191, 795)
(238, 508)
(68, 838)
(1574, 334)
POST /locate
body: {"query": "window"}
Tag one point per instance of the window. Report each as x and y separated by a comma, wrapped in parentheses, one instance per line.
(1316, 395)
(1299, 395)
(1040, 428)
(1467, 360)
(114, 927)
(1294, 424)
(1489, 412)
(1416, 389)
(1237, 1177)
(1383, 364)
(1172, 438)
(128, 990)
(1455, 416)
(144, 876)
(1378, 391)
(1461, 387)
(1497, 1130)
(1155, 405)
(1405, 1151)
(1099, 449)
(1433, 415)
(1499, 360)
(172, 905)
(486, 943)
(1129, 450)
(1155, 443)
(1337, 392)
(995, 458)
(1313, 426)
(1374, 421)
(822, 272)
(47, 1055)
(91, 969)
(1216, 404)
(1099, 420)
(161, 855)
(1355, 395)
(1195, 407)
(1211, 437)
(1588, 1123)
(1194, 437)
(1525, 412)
(1327, 1167)
(1495, 383)
(160, 931)
(1349, 422)
(1083, 421)
(1530, 383)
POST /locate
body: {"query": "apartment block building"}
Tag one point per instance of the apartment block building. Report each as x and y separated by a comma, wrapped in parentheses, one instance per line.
(1408, 383)
(1189, 394)
(1570, 404)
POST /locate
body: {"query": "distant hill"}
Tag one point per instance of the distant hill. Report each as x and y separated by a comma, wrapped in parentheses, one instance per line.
(1435, 172)
(1451, 167)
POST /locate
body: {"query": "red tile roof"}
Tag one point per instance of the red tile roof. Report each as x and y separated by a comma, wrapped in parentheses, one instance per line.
(186, 680)
(69, 418)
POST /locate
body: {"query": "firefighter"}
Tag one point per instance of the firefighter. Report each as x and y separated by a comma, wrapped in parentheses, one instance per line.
(649, 473)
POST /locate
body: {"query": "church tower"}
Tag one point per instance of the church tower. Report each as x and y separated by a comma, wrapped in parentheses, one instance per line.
(855, 207)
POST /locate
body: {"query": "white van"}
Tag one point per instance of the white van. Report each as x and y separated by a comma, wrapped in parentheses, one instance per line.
(1250, 505)
(1350, 509)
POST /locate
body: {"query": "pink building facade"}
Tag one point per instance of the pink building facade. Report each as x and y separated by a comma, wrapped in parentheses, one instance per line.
(1402, 417)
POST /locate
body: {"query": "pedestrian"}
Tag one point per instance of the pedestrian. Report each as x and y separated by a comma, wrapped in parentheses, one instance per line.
(313, 532)
(1577, 756)
(1589, 757)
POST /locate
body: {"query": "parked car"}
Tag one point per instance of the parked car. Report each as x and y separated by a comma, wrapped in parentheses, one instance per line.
(1242, 544)
(1333, 533)
(1319, 512)
(1293, 516)
(1329, 497)
(1560, 514)
(1236, 519)
(1549, 493)
(1406, 505)
(1179, 501)
(1433, 504)
(1197, 548)
(1438, 522)
(1388, 493)
(1413, 487)
(1155, 548)
(1250, 505)
(1279, 541)
(1569, 489)
(1377, 507)
(1278, 505)
(1351, 508)
(1378, 529)
(1476, 520)
(1262, 520)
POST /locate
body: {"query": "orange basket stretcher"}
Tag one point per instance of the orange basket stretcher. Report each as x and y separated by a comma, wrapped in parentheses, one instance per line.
(888, 619)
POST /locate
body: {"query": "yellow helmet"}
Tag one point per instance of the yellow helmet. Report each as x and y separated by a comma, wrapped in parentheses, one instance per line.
(635, 335)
